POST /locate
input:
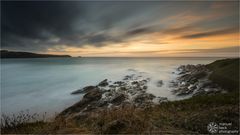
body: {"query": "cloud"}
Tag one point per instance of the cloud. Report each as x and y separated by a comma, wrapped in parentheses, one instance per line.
(137, 31)
(211, 33)
(38, 26)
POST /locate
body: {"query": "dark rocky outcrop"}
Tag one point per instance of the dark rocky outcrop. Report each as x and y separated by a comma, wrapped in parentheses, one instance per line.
(12, 54)
(103, 83)
(87, 100)
(108, 94)
(118, 99)
(85, 89)
(193, 79)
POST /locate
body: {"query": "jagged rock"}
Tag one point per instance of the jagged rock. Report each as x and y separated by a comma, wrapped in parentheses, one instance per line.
(193, 78)
(159, 83)
(119, 83)
(132, 91)
(93, 95)
(192, 87)
(145, 87)
(103, 83)
(128, 77)
(162, 99)
(143, 98)
(85, 90)
(135, 83)
(184, 91)
(118, 99)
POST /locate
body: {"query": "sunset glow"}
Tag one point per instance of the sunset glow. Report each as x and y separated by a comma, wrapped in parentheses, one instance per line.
(155, 29)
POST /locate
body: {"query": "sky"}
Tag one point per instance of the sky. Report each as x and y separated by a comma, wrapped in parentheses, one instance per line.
(123, 28)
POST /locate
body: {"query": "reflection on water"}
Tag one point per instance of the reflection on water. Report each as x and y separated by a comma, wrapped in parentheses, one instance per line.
(44, 84)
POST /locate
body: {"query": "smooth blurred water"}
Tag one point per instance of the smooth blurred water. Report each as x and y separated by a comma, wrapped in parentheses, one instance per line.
(44, 84)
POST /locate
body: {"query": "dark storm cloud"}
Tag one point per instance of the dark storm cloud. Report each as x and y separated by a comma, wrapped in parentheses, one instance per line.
(30, 23)
(37, 26)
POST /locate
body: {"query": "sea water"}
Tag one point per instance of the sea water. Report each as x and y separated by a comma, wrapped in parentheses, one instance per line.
(44, 84)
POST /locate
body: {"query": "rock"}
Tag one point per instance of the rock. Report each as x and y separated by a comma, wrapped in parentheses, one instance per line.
(144, 98)
(135, 83)
(89, 108)
(118, 99)
(119, 83)
(192, 87)
(112, 86)
(123, 88)
(204, 84)
(102, 103)
(145, 87)
(183, 91)
(159, 83)
(93, 95)
(115, 127)
(162, 99)
(85, 90)
(173, 84)
(128, 77)
(103, 83)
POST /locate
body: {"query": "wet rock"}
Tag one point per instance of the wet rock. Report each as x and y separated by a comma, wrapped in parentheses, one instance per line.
(103, 83)
(128, 77)
(159, 83)
(183, 91)
(119, 83)
(144, 98)
(112, 86)
(173, 84)
(123, 88)
(162, 99)
(192, 87)
(118, 99)
(135, 83)
(93, 95)
(145, 87)
(85, 90)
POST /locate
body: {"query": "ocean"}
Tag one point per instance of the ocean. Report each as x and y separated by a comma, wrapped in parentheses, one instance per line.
(44, 84)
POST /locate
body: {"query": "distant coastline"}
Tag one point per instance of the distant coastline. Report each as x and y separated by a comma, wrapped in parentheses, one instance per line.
(5, 54)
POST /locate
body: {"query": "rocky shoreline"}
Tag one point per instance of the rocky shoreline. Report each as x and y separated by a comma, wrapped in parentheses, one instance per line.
(130, 91)
(192, 80)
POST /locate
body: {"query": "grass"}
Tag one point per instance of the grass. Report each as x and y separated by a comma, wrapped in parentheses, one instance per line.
(177, 117)
(226, 73)
(189, 116)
